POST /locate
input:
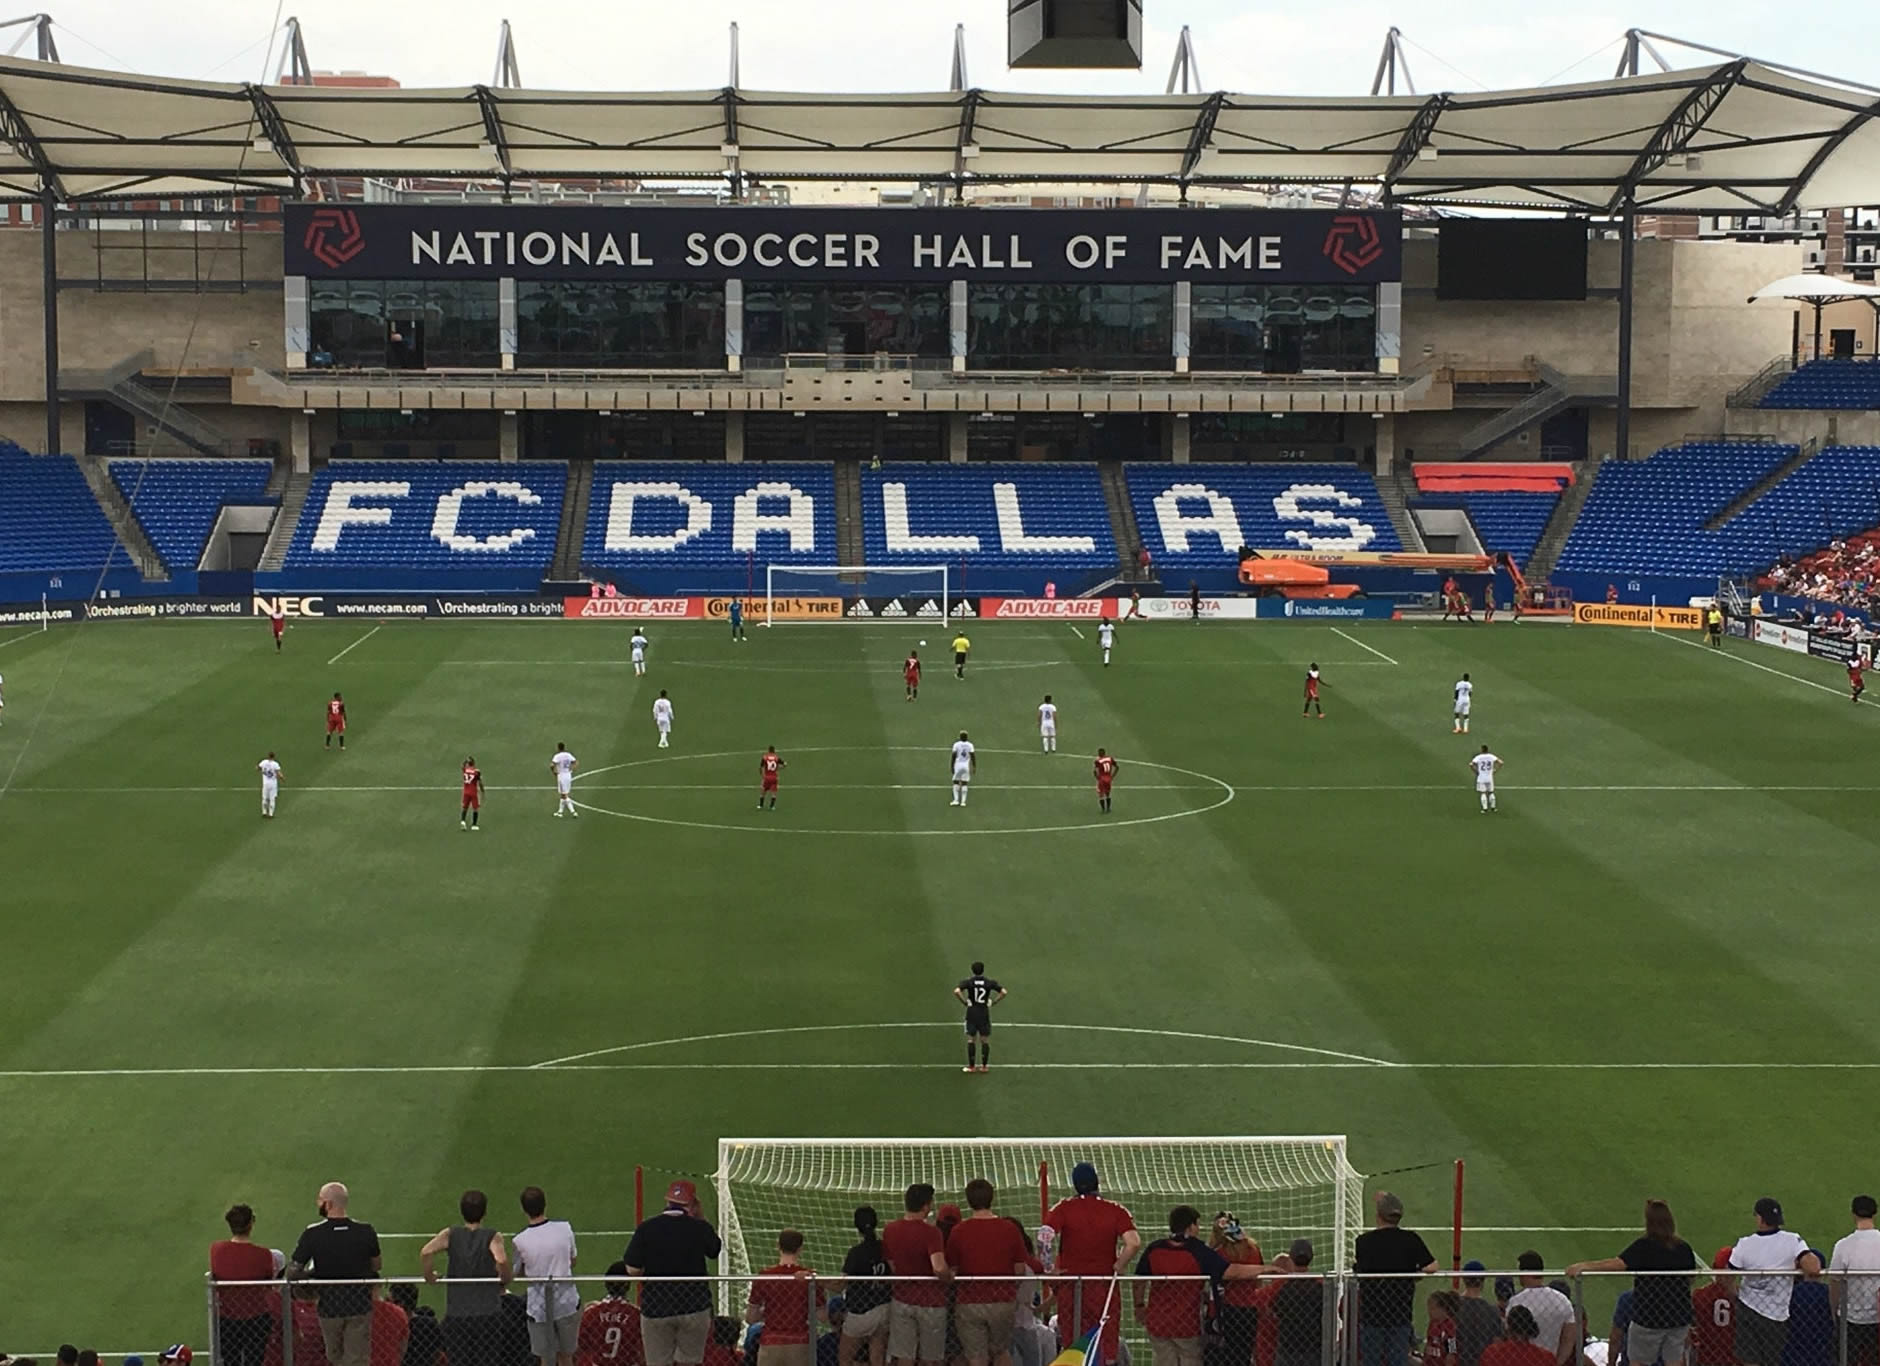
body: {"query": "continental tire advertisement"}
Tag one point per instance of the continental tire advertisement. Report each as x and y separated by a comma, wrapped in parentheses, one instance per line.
(1638, 614)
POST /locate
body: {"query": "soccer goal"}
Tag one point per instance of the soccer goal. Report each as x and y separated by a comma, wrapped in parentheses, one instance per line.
(1280, 1188)
(912, 590)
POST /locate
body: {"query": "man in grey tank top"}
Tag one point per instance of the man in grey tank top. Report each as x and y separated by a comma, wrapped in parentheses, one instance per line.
(473, 1254)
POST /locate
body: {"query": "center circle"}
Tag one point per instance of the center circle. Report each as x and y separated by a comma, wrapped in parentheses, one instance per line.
(1225, 795)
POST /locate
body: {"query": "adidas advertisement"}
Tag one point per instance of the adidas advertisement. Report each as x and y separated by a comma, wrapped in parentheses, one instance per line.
(859, 608)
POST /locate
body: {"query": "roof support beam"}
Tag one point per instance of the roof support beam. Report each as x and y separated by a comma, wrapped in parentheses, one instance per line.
(1202, 134)
(19, 135)
(1680, 128)
(493, 128)
(1829, 146)
(969, 120)
(273, 127)
(1415, 138)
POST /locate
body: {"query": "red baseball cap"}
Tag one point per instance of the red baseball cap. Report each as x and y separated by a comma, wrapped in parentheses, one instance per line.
(1722, 1260)
(682, 1193)
(949, 1212)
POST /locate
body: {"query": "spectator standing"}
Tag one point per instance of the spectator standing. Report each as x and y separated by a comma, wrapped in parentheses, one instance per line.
(1299, 1309)
(1093, 1241)
(1557, 1327)
(1478, 1322)
(779, 1300)
(1519, 1348)
(986, 1244)
(1762, 1319)
(1240, 1300)
(917, 1309)
(1384, 1306)
(244, 1313)
(1659, 1327)
(1855, 1287)
(339, 1249)
(675, 1318)
(476, 1269)
(1169, 1292)
(865, 1294)
(1713, 1316)
(610, 1326)
(545, 1256)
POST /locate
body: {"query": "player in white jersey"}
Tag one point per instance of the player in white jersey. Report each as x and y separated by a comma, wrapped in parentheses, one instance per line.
(1106, 637)
(1485, 765)
(1047, 724)
(3, 701)
(662, 718)
(965, 765)
(639, 651)
(270, 784)
(563, 766)
(1465, 691)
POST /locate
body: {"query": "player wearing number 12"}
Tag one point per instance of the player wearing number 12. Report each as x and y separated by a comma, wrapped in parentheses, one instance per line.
(979, 993)
(769, 766)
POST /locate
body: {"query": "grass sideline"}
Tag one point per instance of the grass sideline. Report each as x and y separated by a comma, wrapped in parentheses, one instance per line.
(1647, 974)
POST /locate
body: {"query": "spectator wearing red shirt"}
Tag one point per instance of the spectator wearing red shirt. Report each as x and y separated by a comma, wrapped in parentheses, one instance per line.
(244, 1314)
(1439, 1338)
(986, 1244)
(391, 1329)
(1519, 1347)
(721, 1346)
(1095, 1240)
(609, 1334)
(1170, 1310)
(1713, 1316)
(917, 1313)
(1240, 1314)
(780, 1300)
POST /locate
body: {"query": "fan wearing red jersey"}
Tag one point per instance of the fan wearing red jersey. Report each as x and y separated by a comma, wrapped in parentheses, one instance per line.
(336, 721)
(1104, 771)
(769, 766)
(910, 674)
(1094, 1240)
(1312, 693)
(472, 794)
(1168, 1288)
(780, 1300)
(610, 1327)
(1713, 1316)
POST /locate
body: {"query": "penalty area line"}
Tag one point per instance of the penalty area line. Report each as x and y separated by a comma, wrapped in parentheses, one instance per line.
(355, 645)
(1079, 634)
(1362, 646)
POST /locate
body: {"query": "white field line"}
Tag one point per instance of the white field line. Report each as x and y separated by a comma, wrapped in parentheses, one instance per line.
(1079, 634)
(1779, 673)
(548, 786)
(1362, 646)
(355, 645)
(27, 634)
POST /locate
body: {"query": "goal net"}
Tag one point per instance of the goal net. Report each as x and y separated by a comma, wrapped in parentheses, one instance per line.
(897, 592)
(1280, 1188)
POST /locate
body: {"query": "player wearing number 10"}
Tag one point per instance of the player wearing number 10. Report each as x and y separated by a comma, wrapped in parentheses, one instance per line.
(980, 994)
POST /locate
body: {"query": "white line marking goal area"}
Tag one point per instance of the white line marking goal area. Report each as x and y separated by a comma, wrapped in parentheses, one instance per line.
(1362, 646)
(355, 645)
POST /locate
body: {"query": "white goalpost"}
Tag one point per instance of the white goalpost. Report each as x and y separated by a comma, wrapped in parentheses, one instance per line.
(1280, 1188)
(929, 583)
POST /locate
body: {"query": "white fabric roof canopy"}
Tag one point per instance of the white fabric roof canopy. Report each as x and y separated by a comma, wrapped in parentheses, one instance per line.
(1737, 137)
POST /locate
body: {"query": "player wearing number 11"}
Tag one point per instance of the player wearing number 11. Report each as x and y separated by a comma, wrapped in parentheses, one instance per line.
(979, 993)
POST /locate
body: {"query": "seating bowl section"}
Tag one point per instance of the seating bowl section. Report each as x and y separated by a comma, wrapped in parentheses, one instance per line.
(1047, 516)
(666, 515)
(1199, 516)
(177, 501)
(430, 516)
(49, 520)
(1846, 384)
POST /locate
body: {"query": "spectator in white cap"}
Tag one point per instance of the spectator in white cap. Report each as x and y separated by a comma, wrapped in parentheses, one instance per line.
(1762, 1319)
(676, 1316)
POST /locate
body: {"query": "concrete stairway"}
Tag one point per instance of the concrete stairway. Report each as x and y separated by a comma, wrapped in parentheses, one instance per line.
(1122, 517)
(293, 499)
(572, 534)
(1395, 490)
(117, 511)
(1554, 535)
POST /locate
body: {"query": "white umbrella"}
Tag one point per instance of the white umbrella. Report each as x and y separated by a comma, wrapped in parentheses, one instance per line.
(1818, 291)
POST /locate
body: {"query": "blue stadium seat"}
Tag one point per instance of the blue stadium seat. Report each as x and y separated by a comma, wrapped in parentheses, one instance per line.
(1198, 516)
(49, 519)
(671, 515)
(177, 501)
(1848, 384)
(998, 516)
(1506, 521)
(426, 515)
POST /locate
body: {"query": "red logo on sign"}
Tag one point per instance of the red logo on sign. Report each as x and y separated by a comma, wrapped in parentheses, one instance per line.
(333, 237)
(1353, 242)
(1054, 608)
(630, 609)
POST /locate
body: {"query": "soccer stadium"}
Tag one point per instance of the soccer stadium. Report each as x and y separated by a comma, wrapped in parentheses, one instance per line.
(536, 627)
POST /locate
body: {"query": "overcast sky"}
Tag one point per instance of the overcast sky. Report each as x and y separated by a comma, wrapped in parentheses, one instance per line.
(1265, 46)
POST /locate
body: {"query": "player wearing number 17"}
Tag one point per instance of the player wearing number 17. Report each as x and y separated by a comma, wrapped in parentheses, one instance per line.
(979, 993)
(472, 795)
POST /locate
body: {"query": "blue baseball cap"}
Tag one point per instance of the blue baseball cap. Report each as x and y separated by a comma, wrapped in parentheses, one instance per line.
(1472, 1265)
(1084, 1179)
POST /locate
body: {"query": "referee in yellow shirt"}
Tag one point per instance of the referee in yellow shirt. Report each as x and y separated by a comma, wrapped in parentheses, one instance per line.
(960, 646)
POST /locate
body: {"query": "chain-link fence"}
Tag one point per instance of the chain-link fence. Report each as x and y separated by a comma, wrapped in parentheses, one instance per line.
(1245, 1314)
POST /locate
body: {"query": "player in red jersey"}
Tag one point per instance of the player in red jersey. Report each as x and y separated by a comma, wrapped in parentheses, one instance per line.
(1713, 1316)
(1856, 678)
(472, 794)
(769, 765)
(336, 721)
(910, 673)
(1104, 771)
(1094, 1240)
(610, 1327)
(278, 620)
(1488, 602)
(1312, 693)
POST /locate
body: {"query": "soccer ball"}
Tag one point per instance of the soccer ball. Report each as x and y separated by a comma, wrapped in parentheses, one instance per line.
(923, 645)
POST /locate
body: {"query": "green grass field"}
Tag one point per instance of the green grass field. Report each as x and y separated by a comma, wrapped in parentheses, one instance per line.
(1650, 973)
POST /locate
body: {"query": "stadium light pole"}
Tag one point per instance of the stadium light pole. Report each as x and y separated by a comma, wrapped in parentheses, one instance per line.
(49, 284)
(1628, 250)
